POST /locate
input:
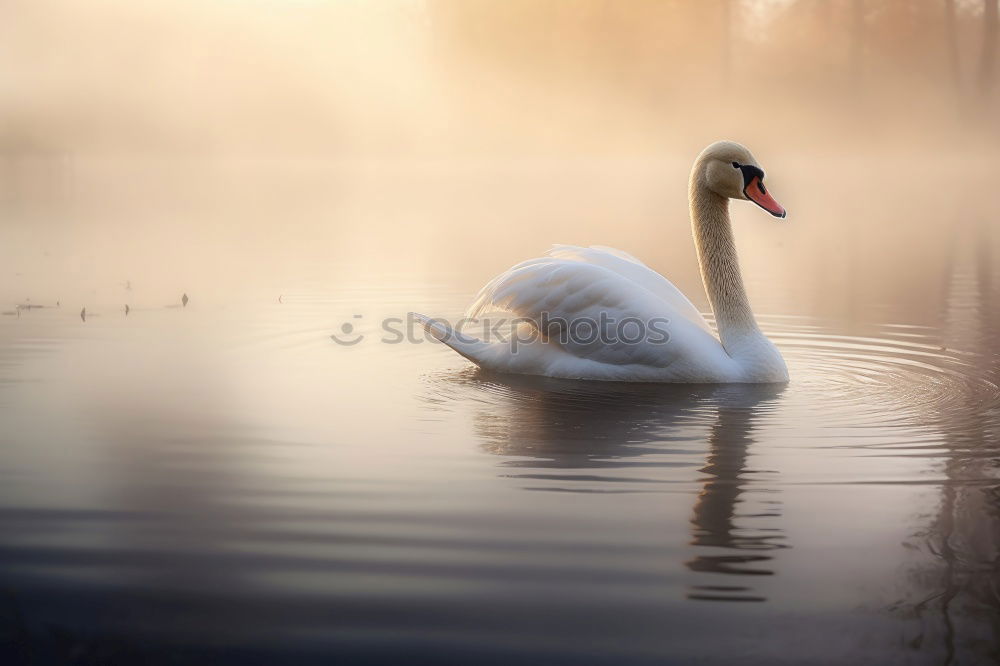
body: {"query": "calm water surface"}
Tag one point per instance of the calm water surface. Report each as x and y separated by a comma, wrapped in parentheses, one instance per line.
(223, 483)
(229, 482)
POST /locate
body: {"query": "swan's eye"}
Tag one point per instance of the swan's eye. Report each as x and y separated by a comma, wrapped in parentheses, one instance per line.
(736, 165)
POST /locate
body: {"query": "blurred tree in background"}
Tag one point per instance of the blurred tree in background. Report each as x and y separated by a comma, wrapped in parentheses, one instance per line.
(340, 76)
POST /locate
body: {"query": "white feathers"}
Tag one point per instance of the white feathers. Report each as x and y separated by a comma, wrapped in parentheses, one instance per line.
(663, 337)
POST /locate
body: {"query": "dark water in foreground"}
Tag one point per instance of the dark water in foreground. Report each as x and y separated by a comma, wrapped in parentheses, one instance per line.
(227, 484)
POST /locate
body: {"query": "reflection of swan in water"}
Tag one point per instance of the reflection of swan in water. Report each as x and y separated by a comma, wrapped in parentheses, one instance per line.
(551, 424)
(715, 513)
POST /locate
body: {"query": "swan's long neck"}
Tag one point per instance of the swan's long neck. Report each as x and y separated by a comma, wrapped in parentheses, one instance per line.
(720, 269)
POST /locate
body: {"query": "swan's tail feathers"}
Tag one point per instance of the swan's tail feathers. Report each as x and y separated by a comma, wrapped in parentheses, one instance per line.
(469, 347)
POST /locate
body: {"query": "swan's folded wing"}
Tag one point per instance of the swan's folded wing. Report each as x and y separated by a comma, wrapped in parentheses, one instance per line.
(592, 311)
(632, 269)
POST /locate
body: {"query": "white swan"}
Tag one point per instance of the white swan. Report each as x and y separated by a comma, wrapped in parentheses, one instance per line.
(599, 313)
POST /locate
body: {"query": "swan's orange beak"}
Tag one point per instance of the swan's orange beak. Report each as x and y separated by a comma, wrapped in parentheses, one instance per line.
(756, 193)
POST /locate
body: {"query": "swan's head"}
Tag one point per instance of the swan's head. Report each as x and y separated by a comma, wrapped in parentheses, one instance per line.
(730, 170)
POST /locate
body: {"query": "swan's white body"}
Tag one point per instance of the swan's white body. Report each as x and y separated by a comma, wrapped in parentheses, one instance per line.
(571, 284)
